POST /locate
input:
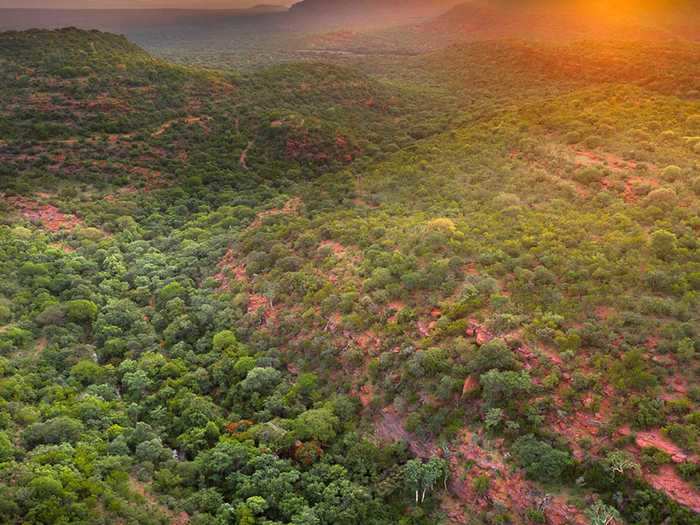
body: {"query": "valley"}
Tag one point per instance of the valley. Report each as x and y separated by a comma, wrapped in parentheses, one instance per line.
(364, 276)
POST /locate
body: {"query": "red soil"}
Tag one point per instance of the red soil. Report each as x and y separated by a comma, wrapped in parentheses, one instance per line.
(389, 428)
(604, 312)
(630, 194)
(552, 354)
(63, 247)
(153, 178)
(337, 248)
(667, 480)
(174, 519)
(657, 440)
(191, 120)
(607, 160)
(48, 215)
(367, 341)
(291, 207)
(651, 343)
(471, 269)
(334, 322)
(255, 302)
(478, 331)
(425, 327)
(471, 384)
(679, 384)
(582, 425)
(528, 357)
(507, 489)
(230, 264)
(127, 190)
(366, 395)
(396, 306)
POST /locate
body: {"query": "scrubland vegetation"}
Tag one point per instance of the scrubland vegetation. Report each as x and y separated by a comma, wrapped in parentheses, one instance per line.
(460, 287)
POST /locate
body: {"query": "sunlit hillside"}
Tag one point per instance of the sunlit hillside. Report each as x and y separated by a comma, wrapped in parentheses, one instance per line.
(444, 272)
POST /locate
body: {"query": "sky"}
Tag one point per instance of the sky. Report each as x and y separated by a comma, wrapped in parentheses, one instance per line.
(234, 4)
(136, 4)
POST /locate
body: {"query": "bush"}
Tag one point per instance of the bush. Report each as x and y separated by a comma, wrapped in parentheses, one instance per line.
(502, 388)
(588, 176)
(594, 141)
(695, 183)
(663, 198)
(663, 244)
(672, 173)
(693, 122)
(541, 461)
(481, 484)
(494, 355)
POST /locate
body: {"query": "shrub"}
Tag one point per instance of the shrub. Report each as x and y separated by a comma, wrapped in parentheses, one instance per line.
(481, 484)
(499, 388)
(647, 412)
(494, 355)
(663, 244)
(588, 176)
(686, 436)
(672, 173)
(663, 198)
(536, 516)
(593, 141)
(653, 458)
(695, 183)
(541, 461)
(693, 122)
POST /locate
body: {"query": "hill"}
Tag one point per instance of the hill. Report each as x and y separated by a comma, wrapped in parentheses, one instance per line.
(479, 20)
(465, 293)
(76, 90)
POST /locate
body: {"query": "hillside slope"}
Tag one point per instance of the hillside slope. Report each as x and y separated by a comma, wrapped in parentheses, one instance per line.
(483, 20)
(468, 294)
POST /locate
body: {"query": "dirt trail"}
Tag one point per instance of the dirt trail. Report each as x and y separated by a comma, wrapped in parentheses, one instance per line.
(243, 160)
(667, 480)
(389, 428)
(291, 207)
(655, 439)
(190, 120)
(140, 488)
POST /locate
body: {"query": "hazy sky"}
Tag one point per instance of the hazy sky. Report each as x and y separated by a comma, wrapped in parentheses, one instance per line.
(106, 4)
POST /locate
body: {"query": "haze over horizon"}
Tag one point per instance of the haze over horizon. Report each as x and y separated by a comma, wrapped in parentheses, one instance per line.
(137, 4)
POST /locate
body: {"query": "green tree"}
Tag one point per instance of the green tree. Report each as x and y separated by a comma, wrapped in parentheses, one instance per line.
(81, 311)
(501, 388)
(319, 424)
(540, 460)
(663, 244)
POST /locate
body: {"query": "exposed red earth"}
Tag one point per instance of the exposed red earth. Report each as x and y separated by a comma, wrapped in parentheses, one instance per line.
(48, 215)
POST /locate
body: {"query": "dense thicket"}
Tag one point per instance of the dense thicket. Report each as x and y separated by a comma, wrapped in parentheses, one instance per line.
(302, 295)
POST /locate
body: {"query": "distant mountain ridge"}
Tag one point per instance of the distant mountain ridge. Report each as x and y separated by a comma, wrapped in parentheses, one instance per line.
(123, 20)
(371, 11)
(354, 5)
